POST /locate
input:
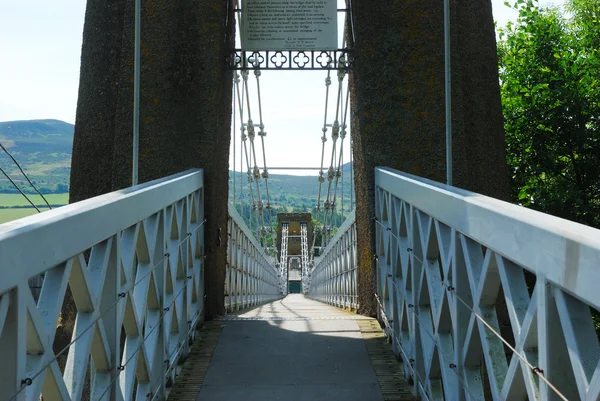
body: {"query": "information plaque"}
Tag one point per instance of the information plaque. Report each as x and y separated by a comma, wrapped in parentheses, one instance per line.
(289, 25)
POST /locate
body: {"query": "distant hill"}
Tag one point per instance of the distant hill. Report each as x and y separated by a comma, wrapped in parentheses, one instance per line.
(292, 192)
(43, 148)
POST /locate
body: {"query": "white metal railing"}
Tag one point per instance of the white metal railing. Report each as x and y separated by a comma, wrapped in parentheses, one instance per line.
(333, 279)
(251, 278)
(133, 260)
(283, 258)
(484, 298)
(304, 252)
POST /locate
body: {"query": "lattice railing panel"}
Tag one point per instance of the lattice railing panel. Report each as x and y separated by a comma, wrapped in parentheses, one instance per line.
(305, 260)
(251, 278)
(334, 278)
(483, 299)
(283, 259)
(133, 263)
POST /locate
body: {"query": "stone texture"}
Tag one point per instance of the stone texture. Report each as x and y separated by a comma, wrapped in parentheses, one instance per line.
(185, 106)
(399, 114)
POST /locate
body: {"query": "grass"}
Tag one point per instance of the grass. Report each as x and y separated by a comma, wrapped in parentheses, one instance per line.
(7, 215)
(10, 214)
(8, 200)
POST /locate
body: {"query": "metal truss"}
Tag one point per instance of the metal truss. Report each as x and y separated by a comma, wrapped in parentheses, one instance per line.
(334, 277)
(251, 279)
(134, 263)
(483, 298)
(341, 59)
(283, 258)
(305, 259)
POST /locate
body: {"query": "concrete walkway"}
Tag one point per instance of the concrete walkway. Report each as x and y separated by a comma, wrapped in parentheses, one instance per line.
(291, 349)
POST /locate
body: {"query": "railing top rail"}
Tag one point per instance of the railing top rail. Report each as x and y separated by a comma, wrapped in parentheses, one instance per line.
(340, 232)
(565, 252)
(242, 224)
(32, 245)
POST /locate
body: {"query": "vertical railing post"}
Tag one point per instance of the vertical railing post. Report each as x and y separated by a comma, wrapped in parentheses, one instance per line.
(184, 315)
(163, 337)
(110, 294)
(203, 257)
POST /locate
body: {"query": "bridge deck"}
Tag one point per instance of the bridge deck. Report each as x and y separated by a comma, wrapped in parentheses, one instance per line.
(293, 349)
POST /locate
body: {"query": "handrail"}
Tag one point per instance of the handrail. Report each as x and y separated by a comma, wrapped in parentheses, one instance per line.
(103, 215)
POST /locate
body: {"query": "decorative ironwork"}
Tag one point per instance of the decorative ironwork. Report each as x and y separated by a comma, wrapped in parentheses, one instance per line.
(279, 59)
(241, 59)
(301, 59)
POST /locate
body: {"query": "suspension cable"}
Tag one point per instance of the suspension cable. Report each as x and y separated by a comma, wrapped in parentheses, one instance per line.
(243, 141)
(333, 174)
(255, 171)
(19, 189)
(25, 175)
(321, 178)
(262, 135)
(338, 172)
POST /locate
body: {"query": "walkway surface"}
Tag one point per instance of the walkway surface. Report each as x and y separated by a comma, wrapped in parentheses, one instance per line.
(295, 349)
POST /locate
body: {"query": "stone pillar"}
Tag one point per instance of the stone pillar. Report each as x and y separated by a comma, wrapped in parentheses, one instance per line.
(185, 107)
(398, 119)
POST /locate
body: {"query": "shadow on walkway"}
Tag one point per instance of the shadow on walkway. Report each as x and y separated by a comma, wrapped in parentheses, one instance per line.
(298, 349)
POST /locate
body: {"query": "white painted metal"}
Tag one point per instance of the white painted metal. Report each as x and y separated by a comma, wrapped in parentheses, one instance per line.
(134, 262)
(451, 282)
(305, 260)
(283, 258)
(251, 277)
(333, 279)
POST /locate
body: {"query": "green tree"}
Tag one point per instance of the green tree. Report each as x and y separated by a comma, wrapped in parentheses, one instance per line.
(550, 84)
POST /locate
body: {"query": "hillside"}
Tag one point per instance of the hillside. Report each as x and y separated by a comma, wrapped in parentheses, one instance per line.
(43, 148)
(290, 193)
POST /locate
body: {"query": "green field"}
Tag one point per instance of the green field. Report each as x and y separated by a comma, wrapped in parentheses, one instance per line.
(7, 215)
(8, 200)
(10, 214)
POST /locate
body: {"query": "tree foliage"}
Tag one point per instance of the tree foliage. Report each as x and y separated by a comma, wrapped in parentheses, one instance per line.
(550, 85)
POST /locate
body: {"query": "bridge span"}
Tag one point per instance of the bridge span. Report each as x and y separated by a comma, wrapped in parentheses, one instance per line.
(477, 299)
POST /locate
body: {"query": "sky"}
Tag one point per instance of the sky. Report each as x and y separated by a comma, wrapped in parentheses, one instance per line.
(40, 47)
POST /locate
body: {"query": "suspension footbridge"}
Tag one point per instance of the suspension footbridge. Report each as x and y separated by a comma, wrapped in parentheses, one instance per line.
(432, 287)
